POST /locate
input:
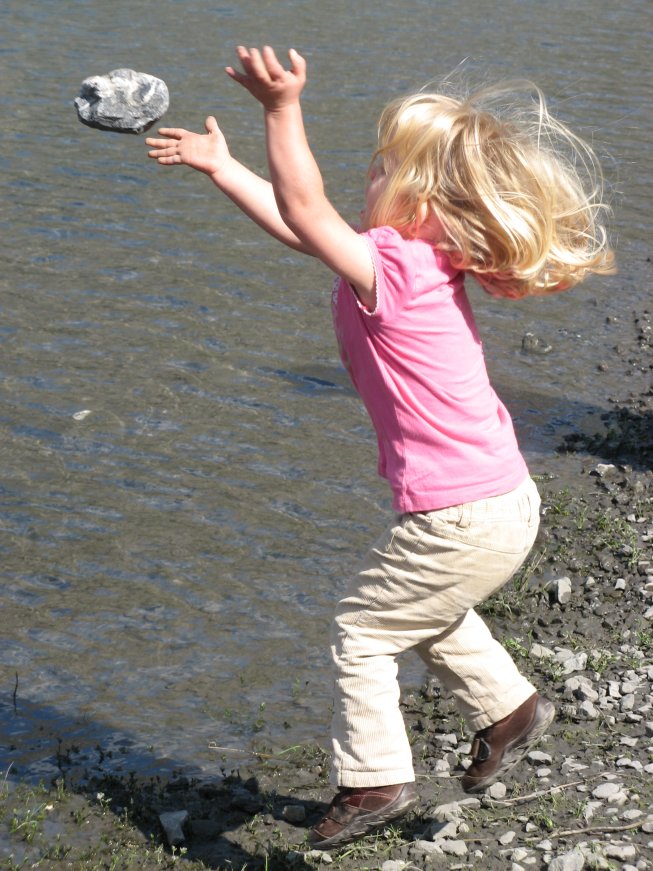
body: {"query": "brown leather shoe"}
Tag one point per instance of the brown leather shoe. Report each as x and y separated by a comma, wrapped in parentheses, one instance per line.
(357, 812)
(499, 747)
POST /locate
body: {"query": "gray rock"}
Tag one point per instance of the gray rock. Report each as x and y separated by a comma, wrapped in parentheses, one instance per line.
(539, 651)
(603, 469)
(587, 711)
(607, 790)
(581, 688)
(294, 813)
(429, 847)
(627, 702)
(393, 865)
(123, 100)
(454, 848)
(497, 790)
(441, 830)
(571, 661)
(173, 824)
(538, 757)
(572, 861)
(561, 589)
(454, 810)
(620, 851)
(318, 856)
(532, 344)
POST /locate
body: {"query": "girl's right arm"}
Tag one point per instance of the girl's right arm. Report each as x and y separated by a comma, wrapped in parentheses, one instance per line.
(208, 153)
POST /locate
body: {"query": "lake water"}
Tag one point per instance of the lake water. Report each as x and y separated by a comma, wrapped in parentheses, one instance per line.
(187, 477)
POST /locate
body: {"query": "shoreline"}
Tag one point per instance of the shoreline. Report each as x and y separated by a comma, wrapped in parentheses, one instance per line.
(578, 618)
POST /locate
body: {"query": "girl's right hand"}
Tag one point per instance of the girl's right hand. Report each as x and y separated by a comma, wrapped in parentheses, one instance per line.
(265, 77)
(206, 152)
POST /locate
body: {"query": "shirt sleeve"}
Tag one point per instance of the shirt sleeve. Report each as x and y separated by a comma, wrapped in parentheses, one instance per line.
(394, 270)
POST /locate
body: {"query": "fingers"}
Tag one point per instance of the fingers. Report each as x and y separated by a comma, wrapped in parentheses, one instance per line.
(264, 66)
(172, 132)
(274, 69)
(297, 63)
(165, 155)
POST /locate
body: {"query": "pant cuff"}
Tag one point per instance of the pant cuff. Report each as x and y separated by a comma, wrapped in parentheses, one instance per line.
(502, 708)
(372, 778)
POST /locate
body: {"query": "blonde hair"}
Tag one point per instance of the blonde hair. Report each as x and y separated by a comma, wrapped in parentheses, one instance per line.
(516, 196)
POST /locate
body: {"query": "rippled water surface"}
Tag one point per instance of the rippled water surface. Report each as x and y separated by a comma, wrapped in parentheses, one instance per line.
(187, 477)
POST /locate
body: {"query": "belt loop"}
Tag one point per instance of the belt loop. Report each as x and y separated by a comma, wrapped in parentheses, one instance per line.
(464, 515)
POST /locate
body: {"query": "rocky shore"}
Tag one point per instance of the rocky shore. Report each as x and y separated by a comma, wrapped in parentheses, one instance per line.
(579, 620)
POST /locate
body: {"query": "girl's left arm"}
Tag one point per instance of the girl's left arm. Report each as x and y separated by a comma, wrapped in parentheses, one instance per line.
(209, 153)
(296, 178)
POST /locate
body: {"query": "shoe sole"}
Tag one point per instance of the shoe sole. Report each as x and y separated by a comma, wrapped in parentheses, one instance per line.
(365, 825)
(514, 753)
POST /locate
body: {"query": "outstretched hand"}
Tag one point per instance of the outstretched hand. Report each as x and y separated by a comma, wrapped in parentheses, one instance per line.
(206, 152)
(266, 79)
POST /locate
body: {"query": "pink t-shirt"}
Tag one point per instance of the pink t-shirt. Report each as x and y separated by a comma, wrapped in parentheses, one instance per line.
(417, 362)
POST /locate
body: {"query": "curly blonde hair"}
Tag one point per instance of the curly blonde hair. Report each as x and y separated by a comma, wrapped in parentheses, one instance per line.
(515, 195)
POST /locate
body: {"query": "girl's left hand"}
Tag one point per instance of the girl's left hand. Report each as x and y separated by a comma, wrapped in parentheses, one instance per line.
(266, 79)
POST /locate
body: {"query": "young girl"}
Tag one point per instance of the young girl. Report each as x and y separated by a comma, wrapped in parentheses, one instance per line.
(455, 186)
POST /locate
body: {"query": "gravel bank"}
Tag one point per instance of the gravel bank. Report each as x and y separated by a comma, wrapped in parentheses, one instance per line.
(578, 618)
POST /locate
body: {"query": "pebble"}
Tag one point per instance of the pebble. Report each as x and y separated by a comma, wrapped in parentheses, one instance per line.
(620, 851)
(590, 809)
(587, 711)
(561, 589)
(454, 848)
(441, 830)
(497, 790)
(393, 865)
(294, 813)
(627, 702)
(539, 651)
(625, 762)
(571, 661)
(532, 344)
(572, 861)
(581, 688)
(428, 847)
(173, 824)
(454, 810)
(603, 469)
(507, 838)
(318, 855)
(607, 790)
(536, 757)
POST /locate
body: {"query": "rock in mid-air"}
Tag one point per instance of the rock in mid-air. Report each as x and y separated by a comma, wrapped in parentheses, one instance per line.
(123, 100)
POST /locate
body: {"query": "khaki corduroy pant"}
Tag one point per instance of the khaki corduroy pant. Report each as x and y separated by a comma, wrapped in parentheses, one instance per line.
(417, 589)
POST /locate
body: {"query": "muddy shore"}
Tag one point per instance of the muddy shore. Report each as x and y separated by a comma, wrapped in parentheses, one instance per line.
(579, 620)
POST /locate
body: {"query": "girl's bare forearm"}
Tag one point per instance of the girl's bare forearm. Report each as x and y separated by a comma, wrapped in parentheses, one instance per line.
(255, 197)
(296, 177)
